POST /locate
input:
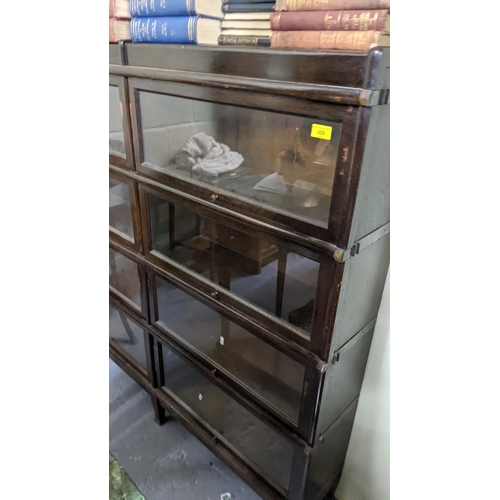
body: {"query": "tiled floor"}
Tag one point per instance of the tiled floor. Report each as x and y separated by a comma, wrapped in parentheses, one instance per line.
(167, 462)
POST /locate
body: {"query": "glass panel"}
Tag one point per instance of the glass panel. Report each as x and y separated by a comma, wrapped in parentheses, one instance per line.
(124, 277)
(287, 162)
(116, 138)
(274, 376)
(127, 335)
(261, 444)
(120, 211)
(283, 283)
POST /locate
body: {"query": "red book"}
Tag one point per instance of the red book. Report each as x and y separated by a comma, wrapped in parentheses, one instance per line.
(340, 40)
(119, 29)
(119, 9)
(331, 4)
(331, 20)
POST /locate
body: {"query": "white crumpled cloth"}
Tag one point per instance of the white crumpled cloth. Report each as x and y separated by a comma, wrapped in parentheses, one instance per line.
(202, 153)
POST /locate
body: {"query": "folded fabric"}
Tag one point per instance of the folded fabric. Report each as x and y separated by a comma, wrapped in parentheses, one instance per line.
(203, 153)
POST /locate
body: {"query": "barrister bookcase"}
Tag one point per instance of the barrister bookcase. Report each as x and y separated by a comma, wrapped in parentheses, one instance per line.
(249, 246)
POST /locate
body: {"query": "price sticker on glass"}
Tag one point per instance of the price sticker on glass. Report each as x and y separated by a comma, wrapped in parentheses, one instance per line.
(321, 132)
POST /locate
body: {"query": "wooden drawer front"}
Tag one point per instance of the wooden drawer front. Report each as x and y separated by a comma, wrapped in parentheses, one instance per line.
(271, 376)
(264, 448)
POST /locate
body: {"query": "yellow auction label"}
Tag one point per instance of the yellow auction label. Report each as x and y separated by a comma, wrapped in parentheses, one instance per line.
(321, 132)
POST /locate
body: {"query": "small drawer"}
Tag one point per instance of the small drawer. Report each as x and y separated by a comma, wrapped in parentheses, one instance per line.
(271, 377)
(124, 278)
(265, 449)
(127, 336)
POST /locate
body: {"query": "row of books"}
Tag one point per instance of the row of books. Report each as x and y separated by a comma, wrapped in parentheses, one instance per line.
(119, 20)
(293, 24)
(246, 22)
(304, 24)
(330, 24)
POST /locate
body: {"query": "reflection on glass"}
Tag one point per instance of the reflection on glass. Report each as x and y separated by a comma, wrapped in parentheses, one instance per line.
(281, 282)
(274, 376)
(120, 211)
(127, 335)
(262, 445)
(124, 276)
(116, 138)
(284, 161)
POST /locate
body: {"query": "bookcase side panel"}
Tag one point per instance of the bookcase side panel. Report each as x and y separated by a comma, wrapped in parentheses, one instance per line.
(361, 291)
(329, 454)
(371, 209)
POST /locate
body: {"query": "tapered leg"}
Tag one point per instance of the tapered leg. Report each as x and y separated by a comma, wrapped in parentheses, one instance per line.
(161, 416)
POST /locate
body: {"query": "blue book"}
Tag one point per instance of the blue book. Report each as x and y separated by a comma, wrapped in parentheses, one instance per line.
(182, 29)
(164, 8)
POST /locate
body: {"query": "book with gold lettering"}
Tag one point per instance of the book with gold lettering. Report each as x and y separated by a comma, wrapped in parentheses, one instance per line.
(331, 4)
(331, 20)
(340, 40)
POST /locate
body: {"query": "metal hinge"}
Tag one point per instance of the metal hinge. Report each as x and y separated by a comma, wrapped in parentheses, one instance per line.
(323, 367)
(343, 255)
(375, 97)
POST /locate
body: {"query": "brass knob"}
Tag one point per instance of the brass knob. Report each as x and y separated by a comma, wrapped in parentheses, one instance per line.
(214, 197)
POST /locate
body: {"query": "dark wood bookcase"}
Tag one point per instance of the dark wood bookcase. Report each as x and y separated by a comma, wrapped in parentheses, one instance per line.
(244, 289)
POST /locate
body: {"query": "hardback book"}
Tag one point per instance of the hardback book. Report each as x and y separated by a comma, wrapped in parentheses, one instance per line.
(331, 4)
(248, 7)
(235, 32)
(331, 20)
(341, 40)
(181, 29)
(119, 9)
(245, 1)
(119, 29)
(262, 25)
(248, 16)
(245, 40)
(162, 8)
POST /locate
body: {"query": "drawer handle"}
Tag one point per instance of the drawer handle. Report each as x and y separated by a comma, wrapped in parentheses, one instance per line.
(214, 197)
(215, 295)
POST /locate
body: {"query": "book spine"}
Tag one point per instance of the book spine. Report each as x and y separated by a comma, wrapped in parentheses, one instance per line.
(340, 40)
(244, 40)
(302, 5)
(162, 8)
(332, 20)
(164, 29)
(120, 12)
(245, 1)
(250, 7)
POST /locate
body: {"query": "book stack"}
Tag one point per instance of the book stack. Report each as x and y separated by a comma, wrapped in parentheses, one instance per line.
(119, 20)
(246, 22)
(330, 24)
(176, 21)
